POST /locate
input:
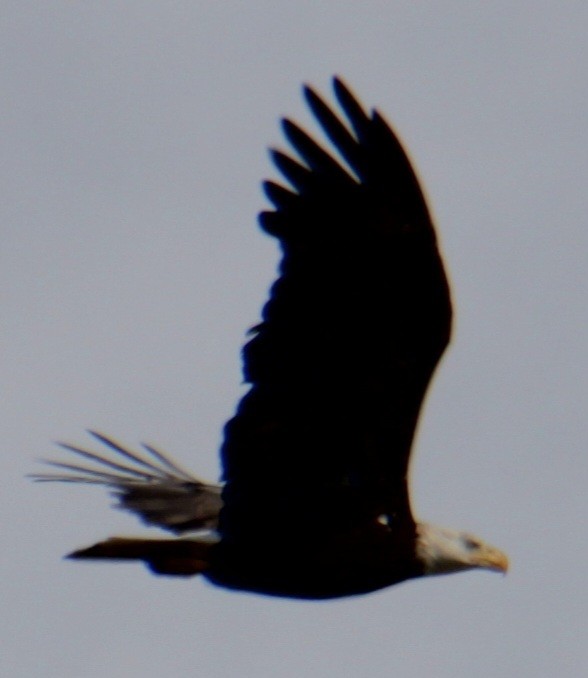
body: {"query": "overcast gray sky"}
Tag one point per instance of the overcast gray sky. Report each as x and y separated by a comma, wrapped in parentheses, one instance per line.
(134, 139)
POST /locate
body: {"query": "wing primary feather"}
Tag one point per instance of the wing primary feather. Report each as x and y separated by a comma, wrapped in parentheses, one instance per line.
(99, 477)
(171, 465)
(117, 447)
(316, 158)
(281, 197)
(56, 478)
(358, 118)
(297, 174)
(274, 224)
(160, 492)
(107, 462)
(336, 131)
(152, 473)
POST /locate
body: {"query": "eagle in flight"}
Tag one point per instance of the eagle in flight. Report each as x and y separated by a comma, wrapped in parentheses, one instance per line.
(315, 501)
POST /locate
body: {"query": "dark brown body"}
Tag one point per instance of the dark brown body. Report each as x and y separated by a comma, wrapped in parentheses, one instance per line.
(332, 568)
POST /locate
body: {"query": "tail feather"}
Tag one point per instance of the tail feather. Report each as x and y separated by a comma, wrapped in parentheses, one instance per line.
(174, 557)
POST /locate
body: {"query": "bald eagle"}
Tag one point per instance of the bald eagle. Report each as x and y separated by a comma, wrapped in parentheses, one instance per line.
(314, 501)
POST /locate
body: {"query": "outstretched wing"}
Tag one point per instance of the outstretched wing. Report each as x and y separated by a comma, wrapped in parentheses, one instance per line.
(150, 485)
(350, 337)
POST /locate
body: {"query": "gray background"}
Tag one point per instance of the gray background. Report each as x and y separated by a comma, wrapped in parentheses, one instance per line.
(133, 139)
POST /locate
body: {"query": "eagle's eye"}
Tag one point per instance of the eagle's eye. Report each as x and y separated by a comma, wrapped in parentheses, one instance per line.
(470, 543)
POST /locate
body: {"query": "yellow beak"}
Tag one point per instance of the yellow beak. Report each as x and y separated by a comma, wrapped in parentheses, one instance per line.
(492, 558)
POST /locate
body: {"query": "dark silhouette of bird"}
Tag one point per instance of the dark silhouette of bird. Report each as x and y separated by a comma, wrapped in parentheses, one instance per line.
(315, 501)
